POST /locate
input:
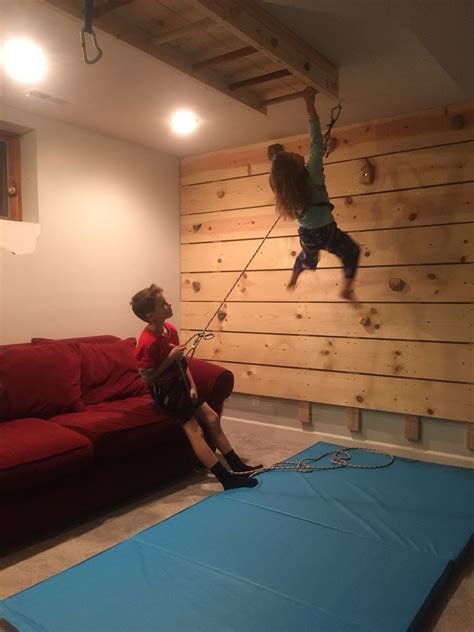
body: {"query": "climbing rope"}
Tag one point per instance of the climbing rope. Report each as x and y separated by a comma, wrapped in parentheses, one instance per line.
(341, 458)
(87, 28)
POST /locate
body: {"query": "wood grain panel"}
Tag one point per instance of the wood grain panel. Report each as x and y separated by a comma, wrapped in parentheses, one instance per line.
(415, 207)
(429, 360)
(409, 321)
(406, 170)
(404, 246)
(382, 136)
(442, 400)
(450, 283)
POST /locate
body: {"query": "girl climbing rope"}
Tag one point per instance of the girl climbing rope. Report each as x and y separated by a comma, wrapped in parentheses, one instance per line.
(300, 193)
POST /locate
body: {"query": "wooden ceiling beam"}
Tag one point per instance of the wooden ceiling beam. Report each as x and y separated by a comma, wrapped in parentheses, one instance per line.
(131, 34)
(253, 81)
(259, 29)
(221, 59)
(179, 32)
(110, 5)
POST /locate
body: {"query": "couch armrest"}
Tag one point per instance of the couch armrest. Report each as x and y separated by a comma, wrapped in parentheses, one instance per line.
(213, 382)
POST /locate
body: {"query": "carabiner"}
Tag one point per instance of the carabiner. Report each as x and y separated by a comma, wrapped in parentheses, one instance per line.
(84, 47)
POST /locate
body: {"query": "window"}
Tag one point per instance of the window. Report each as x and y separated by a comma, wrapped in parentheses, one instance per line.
(10, 176)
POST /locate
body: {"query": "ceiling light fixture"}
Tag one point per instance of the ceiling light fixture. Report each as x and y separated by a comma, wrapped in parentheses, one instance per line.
(184, 122)
(24, 61)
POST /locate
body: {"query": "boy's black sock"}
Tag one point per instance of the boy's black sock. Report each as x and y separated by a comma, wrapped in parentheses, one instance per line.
(229, 480)
(236, 463)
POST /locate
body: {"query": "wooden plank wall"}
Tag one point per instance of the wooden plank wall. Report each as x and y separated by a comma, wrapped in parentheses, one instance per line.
(407, 351)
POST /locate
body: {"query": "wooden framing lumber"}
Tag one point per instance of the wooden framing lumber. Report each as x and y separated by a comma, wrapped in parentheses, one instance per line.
(221, 59)
(354, 419)
(412, 428)
(304, 413)
(179, 32)
(253, 81)
(470, 436)
(291, 96)
(110, 5)
(258, 28)
(133, 35)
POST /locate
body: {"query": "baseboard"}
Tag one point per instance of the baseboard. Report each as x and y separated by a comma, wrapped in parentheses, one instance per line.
(308, 437)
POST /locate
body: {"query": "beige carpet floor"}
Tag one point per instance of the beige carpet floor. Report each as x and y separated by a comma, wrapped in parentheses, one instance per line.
(27, 566)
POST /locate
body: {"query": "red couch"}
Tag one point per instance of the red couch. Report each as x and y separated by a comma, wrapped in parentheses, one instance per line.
(77, 431)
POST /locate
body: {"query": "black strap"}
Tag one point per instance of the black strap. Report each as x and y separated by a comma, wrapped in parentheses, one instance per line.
(88, 15)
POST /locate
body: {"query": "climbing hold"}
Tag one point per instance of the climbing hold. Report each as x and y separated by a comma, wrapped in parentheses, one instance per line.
(221, 315)
(457, 122)
(431, 275)
(367, 253)
(396, 285)
(359, 398)
(368, 172)
(220, 194)
(274, 149)
(412, 216)
(196, 286)
(293, 253)
(377, 326)
(196, 227)
(430, 411)
(365, 321)
(349, 200)
(373, 310)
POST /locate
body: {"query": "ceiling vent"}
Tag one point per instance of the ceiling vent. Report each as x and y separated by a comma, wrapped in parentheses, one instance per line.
(44, 96)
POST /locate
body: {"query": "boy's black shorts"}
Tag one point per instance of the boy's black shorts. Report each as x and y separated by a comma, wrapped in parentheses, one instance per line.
(174, 397)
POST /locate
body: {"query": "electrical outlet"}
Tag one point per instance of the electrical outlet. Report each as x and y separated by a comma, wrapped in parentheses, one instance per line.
(255, 402)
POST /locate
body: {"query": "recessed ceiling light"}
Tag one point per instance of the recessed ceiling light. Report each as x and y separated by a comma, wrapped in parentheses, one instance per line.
(24, 61)
(184, 122)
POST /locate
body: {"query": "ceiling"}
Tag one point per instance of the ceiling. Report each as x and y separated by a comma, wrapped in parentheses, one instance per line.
(394, 57)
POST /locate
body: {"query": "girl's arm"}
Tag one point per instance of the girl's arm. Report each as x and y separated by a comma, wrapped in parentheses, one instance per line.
(314, 165)
(309, 96)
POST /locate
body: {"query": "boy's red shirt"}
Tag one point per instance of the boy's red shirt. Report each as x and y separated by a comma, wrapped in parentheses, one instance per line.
(153, 348)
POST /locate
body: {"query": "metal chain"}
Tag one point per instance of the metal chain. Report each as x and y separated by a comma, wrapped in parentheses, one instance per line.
(340, 459)
(330, 125)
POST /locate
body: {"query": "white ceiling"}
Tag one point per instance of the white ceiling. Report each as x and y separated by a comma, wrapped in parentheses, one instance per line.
(394, 57)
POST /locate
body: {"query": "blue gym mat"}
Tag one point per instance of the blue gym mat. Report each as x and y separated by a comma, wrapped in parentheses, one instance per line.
(341, 550)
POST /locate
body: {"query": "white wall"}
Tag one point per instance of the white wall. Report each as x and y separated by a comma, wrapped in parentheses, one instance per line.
(105, 226)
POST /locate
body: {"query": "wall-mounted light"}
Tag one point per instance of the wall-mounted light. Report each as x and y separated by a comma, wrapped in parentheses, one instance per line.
(24, 61)
(184, 122)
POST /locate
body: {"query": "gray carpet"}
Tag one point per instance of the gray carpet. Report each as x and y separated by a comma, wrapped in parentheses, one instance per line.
(20, 569)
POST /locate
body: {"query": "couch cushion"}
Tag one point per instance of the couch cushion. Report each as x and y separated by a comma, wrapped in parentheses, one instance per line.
(96, 339)
(33, 451)
(109, 371)
(122, 427)
(40, 380)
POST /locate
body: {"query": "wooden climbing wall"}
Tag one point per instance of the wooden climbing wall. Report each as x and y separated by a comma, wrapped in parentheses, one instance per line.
(406, 346)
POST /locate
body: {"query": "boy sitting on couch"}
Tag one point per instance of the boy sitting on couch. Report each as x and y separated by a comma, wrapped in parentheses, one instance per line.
(162, 365)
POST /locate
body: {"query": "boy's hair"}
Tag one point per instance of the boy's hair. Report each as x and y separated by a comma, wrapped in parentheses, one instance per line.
(291, 185)
(143, 302)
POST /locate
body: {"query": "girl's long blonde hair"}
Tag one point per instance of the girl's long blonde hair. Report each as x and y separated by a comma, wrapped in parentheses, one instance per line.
(291, 185)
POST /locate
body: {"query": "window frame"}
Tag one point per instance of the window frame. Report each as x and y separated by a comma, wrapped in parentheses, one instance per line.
(13, 143)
